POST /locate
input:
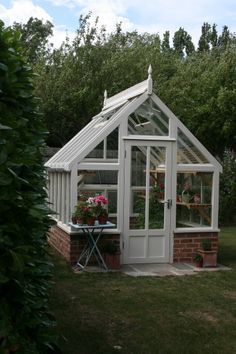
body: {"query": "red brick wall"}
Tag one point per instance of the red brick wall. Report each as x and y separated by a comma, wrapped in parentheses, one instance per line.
(71, 245)
(186, 244)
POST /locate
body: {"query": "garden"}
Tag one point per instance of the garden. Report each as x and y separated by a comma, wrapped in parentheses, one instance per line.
(106, 313)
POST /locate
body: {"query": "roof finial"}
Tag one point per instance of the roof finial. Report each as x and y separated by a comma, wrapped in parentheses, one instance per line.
(105, 98)
(149, 80)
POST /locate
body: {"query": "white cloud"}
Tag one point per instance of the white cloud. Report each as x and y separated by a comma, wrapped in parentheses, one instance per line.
(21, 11)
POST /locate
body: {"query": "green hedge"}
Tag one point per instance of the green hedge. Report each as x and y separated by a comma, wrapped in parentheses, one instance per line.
(25, 274)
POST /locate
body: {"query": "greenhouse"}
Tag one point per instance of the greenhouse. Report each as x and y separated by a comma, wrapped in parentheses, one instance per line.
(161, 183)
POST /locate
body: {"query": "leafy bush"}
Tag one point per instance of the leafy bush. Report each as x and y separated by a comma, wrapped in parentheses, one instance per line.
(227, 211)
(25, 273)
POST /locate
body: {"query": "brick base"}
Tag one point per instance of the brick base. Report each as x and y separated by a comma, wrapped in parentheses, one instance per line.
(71, 245)
(186, 244)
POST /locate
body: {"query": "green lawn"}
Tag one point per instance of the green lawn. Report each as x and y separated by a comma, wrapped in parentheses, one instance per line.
(148, 315)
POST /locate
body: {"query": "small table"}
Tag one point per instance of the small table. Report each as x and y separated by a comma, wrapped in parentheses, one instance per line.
(91, 247)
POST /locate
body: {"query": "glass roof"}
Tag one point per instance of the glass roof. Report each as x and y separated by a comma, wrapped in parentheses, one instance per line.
(187, 152)
(148, 119)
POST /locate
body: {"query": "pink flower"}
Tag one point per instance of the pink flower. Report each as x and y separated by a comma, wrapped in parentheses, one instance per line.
(100, 199)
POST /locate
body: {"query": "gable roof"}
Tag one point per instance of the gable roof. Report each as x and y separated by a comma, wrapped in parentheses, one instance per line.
(114, 110)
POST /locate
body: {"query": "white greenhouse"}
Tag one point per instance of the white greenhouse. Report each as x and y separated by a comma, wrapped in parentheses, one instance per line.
(162, 184)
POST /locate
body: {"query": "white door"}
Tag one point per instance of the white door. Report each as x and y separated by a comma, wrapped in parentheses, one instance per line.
(147, 208)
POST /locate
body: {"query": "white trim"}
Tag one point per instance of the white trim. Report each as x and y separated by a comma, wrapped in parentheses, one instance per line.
(127, 94)
(74, 189)
(215, 199)
(173, 175)
(188, 168)
(67, 229)
(182, 230)
(157, 138)
(98, 166)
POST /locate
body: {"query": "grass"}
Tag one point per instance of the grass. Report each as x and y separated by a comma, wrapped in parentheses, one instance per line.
(105, 313)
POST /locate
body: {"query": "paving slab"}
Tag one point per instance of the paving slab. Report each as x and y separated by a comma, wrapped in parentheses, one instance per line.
(162, 270)
(155, 270)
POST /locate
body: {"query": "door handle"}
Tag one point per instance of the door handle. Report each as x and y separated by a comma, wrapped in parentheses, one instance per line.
(169, 203)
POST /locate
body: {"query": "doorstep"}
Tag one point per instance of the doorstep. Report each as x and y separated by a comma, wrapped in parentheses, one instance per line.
(162, 270)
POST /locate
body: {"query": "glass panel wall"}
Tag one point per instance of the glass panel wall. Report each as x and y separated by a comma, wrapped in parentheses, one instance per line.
(106, 151)
(138, 187)
(194, 199)
(148, 119)
(96, 182)
(187, 152)
(157, 187)
(147, 187)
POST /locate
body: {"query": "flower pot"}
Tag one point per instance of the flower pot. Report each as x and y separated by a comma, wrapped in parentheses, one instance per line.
(90, 221)
(112, 260)
(102, 219)
(80, 221)
(209, 258)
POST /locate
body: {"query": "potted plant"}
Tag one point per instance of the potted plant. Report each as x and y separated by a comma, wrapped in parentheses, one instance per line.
(98, 205)
(103, 217)
(111, 252)
(209, 256)
(198, 260)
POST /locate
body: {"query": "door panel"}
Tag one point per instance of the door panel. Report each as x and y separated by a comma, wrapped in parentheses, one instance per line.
(147, 188)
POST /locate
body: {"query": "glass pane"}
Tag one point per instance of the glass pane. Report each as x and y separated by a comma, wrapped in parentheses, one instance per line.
(99, 177)
(194, 194)
(148, 119)
(138, 166)
(138, 184)
(112, 145)
(96, 153)
(187, 152)
(157, 188)
(112, 201)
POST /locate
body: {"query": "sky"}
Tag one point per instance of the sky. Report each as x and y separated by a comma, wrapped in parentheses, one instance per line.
(153, 16)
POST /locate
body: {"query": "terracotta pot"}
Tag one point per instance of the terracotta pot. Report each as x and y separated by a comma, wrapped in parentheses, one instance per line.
(90, 221)
(209, 258)
(102, 219)
(112, 260)
(80, 221)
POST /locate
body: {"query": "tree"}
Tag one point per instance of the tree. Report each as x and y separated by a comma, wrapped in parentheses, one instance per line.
(165, 45)
(205, 39)
(25, 273)
(34, 36)
(224, 38)
(182, 43)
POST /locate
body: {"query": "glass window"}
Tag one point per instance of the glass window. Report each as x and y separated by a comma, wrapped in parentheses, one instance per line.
(99, 177)
(148, 119)
(194, 195)
(107, 150)
(187, 152)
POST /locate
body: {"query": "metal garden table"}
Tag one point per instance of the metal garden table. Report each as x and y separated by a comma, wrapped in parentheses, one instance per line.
(93, 234)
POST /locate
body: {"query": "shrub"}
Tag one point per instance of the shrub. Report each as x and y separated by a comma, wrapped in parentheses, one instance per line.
(227, 210)
(25, 273)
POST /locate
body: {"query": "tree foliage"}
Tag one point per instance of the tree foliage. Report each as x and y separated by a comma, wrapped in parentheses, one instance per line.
(34, 37)
(25, 273)
(199, 85)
